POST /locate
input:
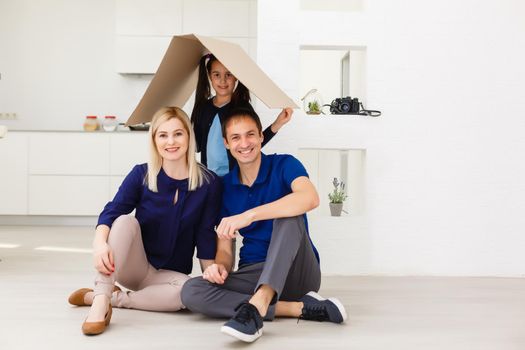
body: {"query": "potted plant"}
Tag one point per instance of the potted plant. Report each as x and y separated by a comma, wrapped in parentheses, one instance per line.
(337, 197)
(313, 102)
(314, 107)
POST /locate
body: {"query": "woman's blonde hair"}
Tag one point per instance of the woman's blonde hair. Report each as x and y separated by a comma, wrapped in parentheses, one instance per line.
(197, 174)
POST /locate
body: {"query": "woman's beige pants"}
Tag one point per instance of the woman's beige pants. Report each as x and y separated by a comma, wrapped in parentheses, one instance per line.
(150, 289)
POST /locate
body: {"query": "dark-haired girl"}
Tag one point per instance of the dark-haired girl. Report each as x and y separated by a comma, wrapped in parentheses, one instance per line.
(209, 111)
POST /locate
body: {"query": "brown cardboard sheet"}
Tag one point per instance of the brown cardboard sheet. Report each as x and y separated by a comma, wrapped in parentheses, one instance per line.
(176, 77)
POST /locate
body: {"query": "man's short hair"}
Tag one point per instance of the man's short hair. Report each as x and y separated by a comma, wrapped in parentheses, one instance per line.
(239, 113)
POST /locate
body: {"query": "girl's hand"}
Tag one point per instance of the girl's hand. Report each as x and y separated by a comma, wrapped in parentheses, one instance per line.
(284, 117)
(103, 259)
(215, 273)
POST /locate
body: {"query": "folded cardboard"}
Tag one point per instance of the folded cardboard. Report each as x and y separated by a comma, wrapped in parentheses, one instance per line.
(176, 77)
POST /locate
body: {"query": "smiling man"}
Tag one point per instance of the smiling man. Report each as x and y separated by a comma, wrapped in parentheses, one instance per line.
(265, 199)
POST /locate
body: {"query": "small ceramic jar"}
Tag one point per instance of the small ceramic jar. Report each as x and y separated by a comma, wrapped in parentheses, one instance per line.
(110, 123)
(91, 123)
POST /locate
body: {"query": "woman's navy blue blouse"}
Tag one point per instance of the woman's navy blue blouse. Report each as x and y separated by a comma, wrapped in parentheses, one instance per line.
(170, 232)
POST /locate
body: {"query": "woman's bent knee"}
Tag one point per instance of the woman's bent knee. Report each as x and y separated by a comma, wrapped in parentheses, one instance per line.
(128, 222)
(124, 226)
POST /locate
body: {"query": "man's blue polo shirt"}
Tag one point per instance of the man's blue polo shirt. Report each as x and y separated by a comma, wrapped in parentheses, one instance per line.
(274, 181)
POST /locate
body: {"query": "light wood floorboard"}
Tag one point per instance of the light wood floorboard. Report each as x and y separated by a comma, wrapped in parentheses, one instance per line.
(442, 313)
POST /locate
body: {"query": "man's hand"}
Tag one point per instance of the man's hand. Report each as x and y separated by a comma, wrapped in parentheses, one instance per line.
(232, 224)
(215, 273)
(284, 117)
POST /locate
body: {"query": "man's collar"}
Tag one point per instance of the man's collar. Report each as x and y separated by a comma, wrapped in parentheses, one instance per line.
(262, 174)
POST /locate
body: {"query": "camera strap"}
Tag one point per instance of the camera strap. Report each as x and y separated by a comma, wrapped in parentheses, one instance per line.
(368, 112)
(362, 111)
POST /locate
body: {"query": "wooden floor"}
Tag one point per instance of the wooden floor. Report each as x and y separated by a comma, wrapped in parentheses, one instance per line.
(384, 312)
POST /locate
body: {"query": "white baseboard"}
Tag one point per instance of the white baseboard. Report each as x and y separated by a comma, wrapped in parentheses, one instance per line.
(47, 220)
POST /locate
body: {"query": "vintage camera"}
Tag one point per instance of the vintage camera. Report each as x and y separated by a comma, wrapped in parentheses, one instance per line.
(345, 105)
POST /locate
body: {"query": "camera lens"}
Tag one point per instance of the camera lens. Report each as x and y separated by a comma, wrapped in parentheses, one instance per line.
(344, 107)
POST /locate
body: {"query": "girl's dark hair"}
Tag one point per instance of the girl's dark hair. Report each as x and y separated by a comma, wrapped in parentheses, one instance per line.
(241, 95)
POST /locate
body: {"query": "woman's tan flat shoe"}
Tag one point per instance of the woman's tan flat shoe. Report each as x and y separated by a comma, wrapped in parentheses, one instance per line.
(94, 328)
(77, 297)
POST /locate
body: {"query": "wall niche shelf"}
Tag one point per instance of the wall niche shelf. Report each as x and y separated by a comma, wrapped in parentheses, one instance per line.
(333, 71)
(348, 165)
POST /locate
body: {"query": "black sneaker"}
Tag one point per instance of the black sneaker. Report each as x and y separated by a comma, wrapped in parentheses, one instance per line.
(317, 308)
(246, 325)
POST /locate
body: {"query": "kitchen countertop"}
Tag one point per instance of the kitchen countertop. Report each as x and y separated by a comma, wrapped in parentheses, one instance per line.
(80, 131)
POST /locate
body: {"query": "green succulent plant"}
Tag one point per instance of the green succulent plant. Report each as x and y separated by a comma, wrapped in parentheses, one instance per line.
(313, 107)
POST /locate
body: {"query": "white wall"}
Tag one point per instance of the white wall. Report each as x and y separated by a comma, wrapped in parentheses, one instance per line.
(445, 180)
(57, 60)
(321, 69)
(444, 170)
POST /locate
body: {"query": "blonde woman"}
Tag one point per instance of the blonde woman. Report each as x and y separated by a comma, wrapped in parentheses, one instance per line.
(176, 202)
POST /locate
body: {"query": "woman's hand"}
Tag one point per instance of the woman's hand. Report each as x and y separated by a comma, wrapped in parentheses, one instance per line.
(215, 273)
(103, 258)
(284, 117)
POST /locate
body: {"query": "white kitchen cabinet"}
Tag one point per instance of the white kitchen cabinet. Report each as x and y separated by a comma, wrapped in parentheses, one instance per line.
(218, 18)
(149, 18)
(127, 150)
(65, 173)
(67, 195)
(140, 54)
(114, 184)
(13, 174)
(144, 28)
(226, 18)
(68, 154)
(143, 54)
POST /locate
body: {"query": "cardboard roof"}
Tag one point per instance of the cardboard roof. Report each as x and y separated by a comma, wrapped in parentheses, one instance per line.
(176, 77)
